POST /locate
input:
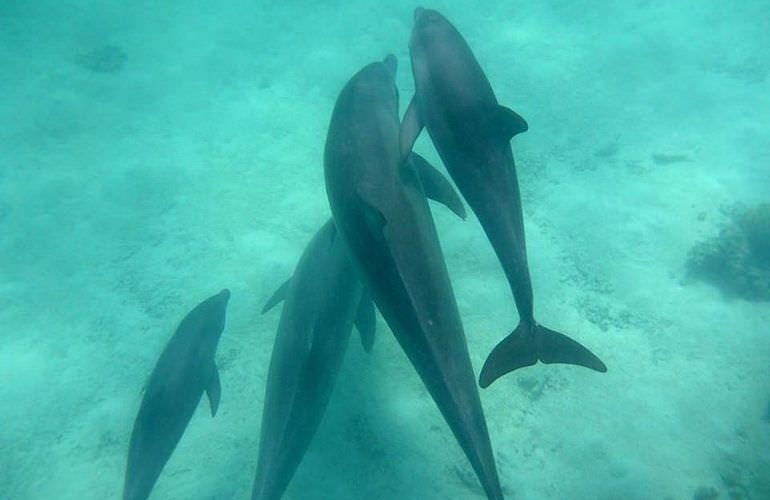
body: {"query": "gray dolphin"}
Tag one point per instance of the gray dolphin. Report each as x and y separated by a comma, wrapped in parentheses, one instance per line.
(379, 207)
(454, 101)
(321, 303)
(183, 372)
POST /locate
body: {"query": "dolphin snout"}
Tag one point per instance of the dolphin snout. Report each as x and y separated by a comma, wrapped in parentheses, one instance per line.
(391, 63)
(418, 12)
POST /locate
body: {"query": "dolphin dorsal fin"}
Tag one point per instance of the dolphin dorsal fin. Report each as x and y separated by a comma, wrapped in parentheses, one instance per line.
(504, 122)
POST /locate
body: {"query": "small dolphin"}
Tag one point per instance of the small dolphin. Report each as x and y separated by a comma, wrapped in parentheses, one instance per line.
(322, 301)
(379, 206)
(184, 370)
(454, 101)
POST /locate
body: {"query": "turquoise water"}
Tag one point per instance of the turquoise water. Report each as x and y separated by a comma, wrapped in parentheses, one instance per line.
(153, 153)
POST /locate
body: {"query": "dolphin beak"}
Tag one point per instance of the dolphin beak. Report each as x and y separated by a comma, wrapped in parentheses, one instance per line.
(391, 63)
(417, 13)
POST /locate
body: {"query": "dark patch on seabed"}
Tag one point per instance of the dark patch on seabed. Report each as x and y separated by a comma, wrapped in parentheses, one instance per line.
(737, 261)
(104, 59)
(667, 159)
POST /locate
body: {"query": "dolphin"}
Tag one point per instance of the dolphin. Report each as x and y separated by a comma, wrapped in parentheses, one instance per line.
(380, 209)
(322, 302)
(183, 372)
(454, 101)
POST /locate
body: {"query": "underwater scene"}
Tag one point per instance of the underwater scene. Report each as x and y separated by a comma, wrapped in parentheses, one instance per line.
(326, 250)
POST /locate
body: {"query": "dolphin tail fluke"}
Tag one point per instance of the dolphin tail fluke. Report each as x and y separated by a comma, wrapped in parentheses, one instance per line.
(525, 347)
(558, 348)
(517, 350)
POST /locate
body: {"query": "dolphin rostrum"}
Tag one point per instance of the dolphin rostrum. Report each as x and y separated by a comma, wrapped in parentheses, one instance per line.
(183, 372)
(454, 101)
(379, 206)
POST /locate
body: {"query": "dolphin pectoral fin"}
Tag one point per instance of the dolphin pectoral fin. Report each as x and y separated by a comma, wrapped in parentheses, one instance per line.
(411, 126)
(517, 350)
(277, 296)
(365, 321)
(524, 348)
(505, 122)
(214, 391)
(436, 186)
(558, 348)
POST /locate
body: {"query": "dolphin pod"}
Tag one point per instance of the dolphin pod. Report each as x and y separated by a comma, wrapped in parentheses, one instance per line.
(454, 101)
(381, 248)
(183, 372)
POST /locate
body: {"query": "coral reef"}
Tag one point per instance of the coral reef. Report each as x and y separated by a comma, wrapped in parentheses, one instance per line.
(737, 261)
